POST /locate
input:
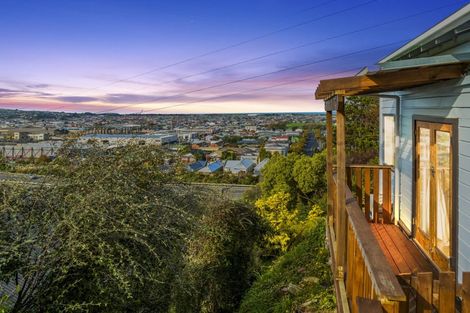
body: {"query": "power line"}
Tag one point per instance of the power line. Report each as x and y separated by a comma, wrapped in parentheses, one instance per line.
(254, 90)
(290, 49)
(260, 75)
(240, 43)
(306, 44)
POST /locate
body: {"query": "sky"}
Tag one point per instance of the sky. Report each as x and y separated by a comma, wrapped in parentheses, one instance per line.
(205, 56)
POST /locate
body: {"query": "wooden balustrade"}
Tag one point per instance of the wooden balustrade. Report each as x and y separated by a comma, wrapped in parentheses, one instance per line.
(367, 274)
(369, 283)
(372, 185)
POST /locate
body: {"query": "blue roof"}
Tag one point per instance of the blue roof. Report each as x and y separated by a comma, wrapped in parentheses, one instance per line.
(196, 166)
(247, 163)
(215, 166)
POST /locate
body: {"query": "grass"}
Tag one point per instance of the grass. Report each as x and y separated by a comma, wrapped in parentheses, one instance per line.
(298, 281)
(295, 125)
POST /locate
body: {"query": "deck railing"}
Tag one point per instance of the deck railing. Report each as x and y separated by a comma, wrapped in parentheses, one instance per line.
(369, 283)
(24, 153)
(367, 274)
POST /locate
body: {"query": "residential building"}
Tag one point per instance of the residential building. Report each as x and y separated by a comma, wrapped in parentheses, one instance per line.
(402, 239)
(212, 167)
(239, 166)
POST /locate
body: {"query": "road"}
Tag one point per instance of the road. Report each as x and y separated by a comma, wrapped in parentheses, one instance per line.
(311, 144)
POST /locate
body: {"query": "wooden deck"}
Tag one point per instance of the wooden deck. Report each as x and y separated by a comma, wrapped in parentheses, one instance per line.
(401, 253)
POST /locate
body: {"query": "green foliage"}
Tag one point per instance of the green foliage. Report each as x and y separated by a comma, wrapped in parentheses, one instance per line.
(114, 233)
(277, 175)
(263, 154)
(284, 221)
(219, 177)
(362, 129)
(232, 139)
(297, 175)
(295, 125)
(229, 155)
(290, 187)
(309, 174)
(281, 125)
(298, 281)
(299, 146)
(219, 260)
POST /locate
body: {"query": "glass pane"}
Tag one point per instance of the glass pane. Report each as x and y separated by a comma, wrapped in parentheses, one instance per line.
(424, 178)
(443, 191)
(389, 139)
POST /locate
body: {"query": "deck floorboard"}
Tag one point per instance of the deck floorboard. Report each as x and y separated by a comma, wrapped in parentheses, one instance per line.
(401, 253)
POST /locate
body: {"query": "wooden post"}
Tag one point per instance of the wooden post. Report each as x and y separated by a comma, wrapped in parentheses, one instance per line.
(466, 292)
(447, 292)
(424, 286)
(341, 227)
(329, 163)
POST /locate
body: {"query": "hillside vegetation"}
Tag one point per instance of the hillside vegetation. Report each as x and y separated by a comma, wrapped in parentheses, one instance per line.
(298, 281)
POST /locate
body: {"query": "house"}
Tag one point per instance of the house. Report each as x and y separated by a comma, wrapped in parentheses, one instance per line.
(39, 136)
(214, 156)
(239, 166)
(196, 166)
(283, 138)
(259, 167)
(399, 232)
(212, 167)
(188, 158)
(253, 157)
(21, 136)
(281, 148)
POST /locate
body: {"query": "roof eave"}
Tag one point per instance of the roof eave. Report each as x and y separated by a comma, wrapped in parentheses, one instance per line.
(447, 24)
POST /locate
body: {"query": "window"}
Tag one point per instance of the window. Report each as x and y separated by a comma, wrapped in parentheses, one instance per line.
(389, 139)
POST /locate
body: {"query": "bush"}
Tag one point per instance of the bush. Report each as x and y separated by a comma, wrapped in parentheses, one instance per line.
(220, 259)
(116, 233)
(298, 281)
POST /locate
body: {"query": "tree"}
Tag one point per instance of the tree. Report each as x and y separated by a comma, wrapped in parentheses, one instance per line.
(277, 175)
(113, 233)
(220, 258)
(362, 129)
(309, 174)
(101, 238)
(263, 154)
(229, 155)
(284, 221)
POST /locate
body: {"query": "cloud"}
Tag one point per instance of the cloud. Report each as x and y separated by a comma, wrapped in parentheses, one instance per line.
(4, 93)
(76, 99)
(4, 90)
(38, 86)
(124, 98)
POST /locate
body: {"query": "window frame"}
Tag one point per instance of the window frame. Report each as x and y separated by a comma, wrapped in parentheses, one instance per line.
(453, 122)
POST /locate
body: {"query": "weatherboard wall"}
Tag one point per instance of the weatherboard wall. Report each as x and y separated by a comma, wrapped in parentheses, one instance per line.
(450, 99)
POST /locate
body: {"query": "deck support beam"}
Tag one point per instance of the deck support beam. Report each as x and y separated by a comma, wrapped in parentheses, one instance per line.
(341, 226)
(329, 165)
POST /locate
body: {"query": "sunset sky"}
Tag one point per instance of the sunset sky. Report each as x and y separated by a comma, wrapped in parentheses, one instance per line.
(195, 56)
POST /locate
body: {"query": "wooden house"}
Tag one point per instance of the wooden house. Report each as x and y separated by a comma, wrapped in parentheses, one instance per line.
(399, 232)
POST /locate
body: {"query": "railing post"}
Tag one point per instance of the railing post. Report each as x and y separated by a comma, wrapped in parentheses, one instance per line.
(329, 163)
(341, 227)
(466, 292)
(447, 292)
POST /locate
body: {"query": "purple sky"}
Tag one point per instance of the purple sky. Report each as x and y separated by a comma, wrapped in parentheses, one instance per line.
(143, 56)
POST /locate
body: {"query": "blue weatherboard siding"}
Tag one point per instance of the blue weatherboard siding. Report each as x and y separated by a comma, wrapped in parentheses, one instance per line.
(449, 99)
